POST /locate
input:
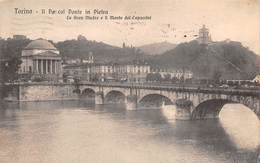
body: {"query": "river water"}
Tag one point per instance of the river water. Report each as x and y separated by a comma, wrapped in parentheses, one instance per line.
(75, 131)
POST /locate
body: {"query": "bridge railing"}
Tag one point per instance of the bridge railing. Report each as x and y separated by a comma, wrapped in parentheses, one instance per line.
(178, 87)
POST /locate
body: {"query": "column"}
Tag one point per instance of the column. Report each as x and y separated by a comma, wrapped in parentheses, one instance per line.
(46, 66)
(36, 66)
(33, 66)
(41, 66)
(51, 66)
(43, 70)
(55, 70)
(57, 67)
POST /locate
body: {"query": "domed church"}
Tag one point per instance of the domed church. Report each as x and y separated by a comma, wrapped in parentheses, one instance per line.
(40, 58)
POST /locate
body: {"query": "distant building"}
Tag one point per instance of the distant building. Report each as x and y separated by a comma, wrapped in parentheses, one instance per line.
(81, 38)
(19, 37)
(40, 58)
(137, 72)
(131, 72)
(72, 61)
(227, 40)
(174, 73)
(83, 72)
(82, 69)
(104, 71)
(89, 71)
(204, 36)
(88, 59)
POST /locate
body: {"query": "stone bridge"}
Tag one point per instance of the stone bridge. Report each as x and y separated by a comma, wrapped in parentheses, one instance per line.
(194, 102)
(204, 102)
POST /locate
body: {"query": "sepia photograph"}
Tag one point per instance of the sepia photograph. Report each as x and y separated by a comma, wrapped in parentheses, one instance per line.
(130, 81)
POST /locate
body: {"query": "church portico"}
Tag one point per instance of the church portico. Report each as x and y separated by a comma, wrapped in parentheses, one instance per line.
(46, 66)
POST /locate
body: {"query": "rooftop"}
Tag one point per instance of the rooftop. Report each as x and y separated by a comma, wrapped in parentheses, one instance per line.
(40, 44)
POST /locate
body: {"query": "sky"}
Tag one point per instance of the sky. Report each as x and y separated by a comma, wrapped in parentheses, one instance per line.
(237, 20)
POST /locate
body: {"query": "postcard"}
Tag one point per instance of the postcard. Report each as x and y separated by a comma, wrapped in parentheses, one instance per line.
(120, 81)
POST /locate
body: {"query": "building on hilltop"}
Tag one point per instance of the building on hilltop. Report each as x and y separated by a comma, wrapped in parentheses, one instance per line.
(19, 37)
(40, 59)
(204, 36)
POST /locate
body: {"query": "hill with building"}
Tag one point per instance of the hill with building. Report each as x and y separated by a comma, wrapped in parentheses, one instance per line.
(205, 58)
(224, 60)
(157, 48)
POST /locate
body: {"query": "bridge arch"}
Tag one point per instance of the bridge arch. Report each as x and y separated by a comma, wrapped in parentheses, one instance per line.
(210, 108)
(155, 100)
(77, 91)
(88, 92)
(115, 96)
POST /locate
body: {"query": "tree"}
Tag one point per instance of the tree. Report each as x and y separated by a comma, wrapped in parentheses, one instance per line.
(9, 69)
(10, 58)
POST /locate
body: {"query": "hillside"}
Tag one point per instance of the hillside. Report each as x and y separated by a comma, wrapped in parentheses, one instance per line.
(75, 48)
(101, 51)
(157, 48)
(228, 60)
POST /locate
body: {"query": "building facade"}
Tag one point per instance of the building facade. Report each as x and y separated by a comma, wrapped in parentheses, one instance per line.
(41, 59)
(131, 72)
(90, 71)
(88, 59)
(83, 72)
(137, 72)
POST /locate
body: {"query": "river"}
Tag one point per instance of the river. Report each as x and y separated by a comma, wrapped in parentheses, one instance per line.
(75, 131)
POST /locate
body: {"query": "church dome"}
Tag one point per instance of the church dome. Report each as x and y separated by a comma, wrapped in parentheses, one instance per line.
(40, 44)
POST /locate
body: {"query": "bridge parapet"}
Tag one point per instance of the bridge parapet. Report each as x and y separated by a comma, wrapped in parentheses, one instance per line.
(178, 88)
(197, 95)
(171, 87)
